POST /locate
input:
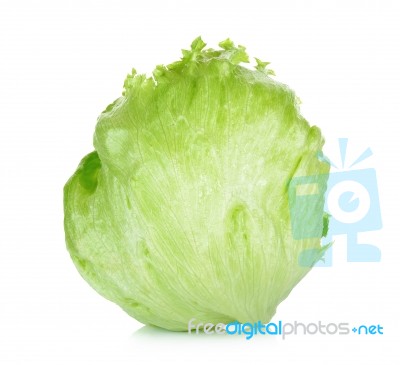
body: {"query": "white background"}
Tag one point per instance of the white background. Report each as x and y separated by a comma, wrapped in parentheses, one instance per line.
(61, 63)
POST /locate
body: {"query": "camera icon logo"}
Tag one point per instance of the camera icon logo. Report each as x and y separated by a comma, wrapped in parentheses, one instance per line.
(351, 203)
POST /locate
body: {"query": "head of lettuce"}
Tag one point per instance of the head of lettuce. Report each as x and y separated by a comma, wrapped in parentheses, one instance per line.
(182, 210)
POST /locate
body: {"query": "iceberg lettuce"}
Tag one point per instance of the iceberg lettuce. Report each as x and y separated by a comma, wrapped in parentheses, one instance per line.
(182, 210)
